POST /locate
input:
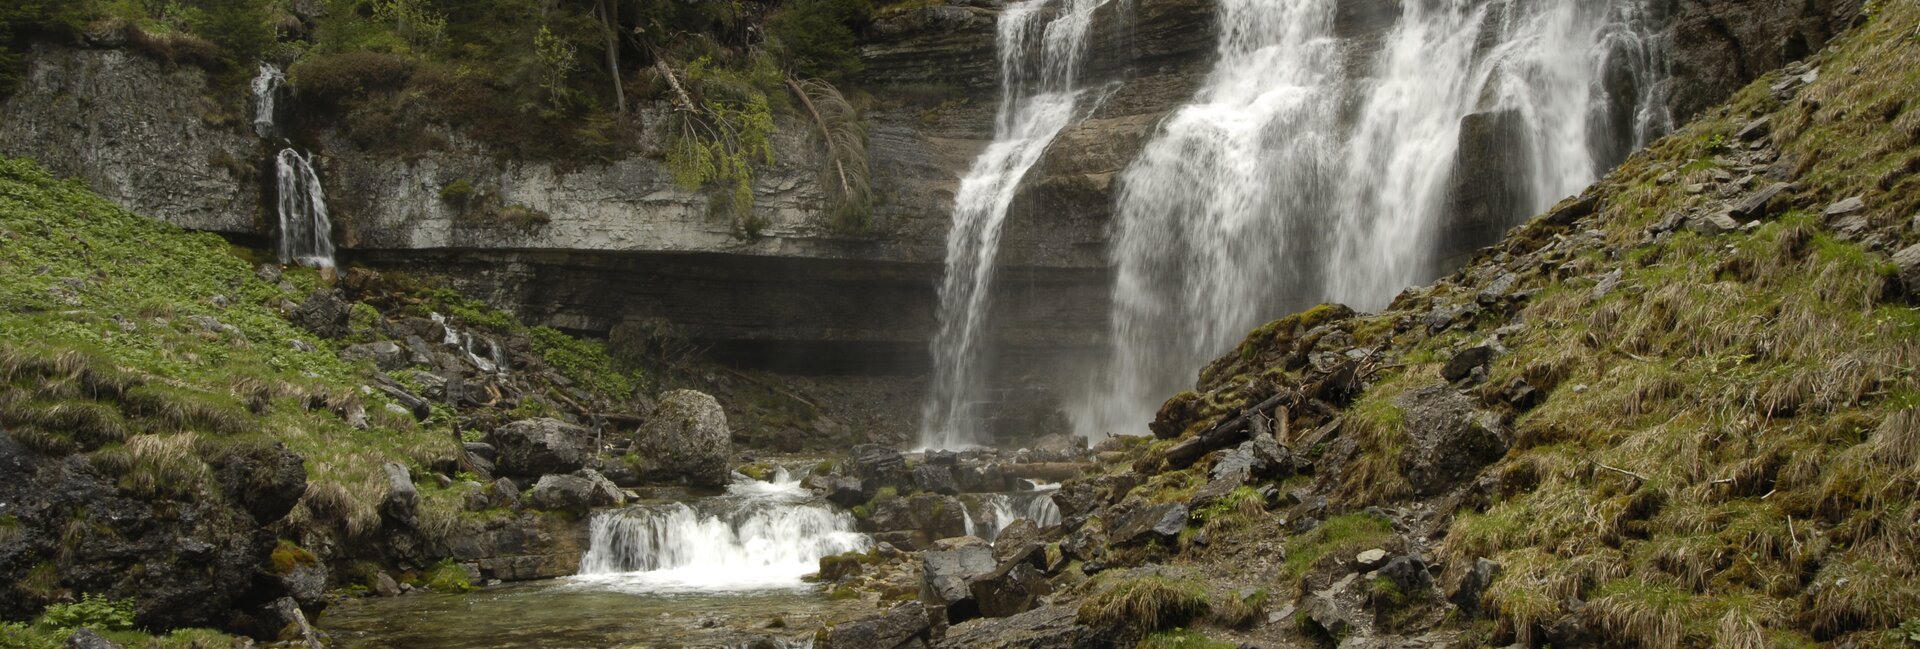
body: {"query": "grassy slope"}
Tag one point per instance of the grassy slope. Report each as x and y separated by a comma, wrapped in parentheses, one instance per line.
(151, 349)
(1762, 384)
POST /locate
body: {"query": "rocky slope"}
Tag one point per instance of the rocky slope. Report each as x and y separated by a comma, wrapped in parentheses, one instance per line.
(621, 245)
(1674, 411)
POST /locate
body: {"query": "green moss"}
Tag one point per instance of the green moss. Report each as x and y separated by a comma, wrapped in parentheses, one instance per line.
(447, 577)
(288, 557)
(844, 593)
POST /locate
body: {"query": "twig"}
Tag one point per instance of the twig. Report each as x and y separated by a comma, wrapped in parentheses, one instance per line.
(1621, 471)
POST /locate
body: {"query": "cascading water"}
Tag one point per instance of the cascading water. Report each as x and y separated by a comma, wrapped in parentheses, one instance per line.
(306, 235)
(266, 92)
(1309, 169)
(1039, 44)
(761, 535)
(1000, 510)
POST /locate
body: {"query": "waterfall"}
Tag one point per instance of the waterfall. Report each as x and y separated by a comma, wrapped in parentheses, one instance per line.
(1313, 166)
(760, 535)
(1000, 510)
(1039, 44)
(306, 236)
(1042, 510)
(266, 90)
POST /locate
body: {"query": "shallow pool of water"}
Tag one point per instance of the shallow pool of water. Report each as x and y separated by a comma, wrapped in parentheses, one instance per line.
(568, 613)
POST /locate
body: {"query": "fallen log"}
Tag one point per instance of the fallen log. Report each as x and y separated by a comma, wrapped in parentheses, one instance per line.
(1226, 433)
(1046, 471)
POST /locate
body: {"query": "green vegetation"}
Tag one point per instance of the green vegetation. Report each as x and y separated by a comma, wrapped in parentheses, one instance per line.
(1182, 639)
(447, 577)
(1343, 534)
(288, 556)
(93, 612)
(1145, 604)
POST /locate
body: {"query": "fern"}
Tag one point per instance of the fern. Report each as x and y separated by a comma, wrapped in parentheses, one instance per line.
(725, 128)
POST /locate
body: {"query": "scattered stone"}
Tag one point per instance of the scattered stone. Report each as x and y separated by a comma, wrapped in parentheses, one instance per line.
(1464, 363)
(1844, 207)
(1409, 574)
(324, 313)
(385, 586)
(87, 639)
(384, 354)
(1756, 129)
(687, 438)
(1473, 586)
(1908, 263)
(1713, 224)
(402, 502)
(1330, 609)
(1605, 285)
(1151, 524)
(1448, 441)
(1500, 289)
(1759, 204)
(1371, 559)
(535, 447)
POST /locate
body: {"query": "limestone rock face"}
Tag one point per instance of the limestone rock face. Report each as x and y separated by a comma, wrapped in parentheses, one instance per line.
(687, 439)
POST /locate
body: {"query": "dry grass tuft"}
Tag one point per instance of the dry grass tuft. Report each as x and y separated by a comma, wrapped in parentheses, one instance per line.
(1145, 604)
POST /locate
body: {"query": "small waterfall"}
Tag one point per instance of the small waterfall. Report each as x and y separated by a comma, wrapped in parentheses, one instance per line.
(760, 535)
(306, 235)
(1316, 165)
(1039, 44)
(1000, 510)
(1042, 509)
(473, 345)
(266, 91)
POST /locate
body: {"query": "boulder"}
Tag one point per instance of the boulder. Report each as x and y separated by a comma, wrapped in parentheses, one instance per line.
(1409, 574)
(385, 586)
(1448, 441)
(1464, 363)
(846, 492)
(324, 313)
(936, 479)
(402, 502)
(878, 466)
(1150, 524)
(307, 585)
(564, 493)
(1336, 610)
(503, 493)
(605, 493)
(1758, 205)
(266, 479)
(1014, 538)
(1013, 588)
(893, 628)
(946, 577)
(384, 354)
(1473, 587)
(536, 447)
(1907, 261)
(937, 516)
(687, 439)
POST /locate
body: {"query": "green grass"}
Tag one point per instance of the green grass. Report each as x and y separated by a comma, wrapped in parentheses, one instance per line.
(1346, 533)
(1183, 639)
(1145, 604)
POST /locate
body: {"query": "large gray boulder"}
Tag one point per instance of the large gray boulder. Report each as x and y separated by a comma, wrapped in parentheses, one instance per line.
(564, 493)
(687, 439)
(537, 447)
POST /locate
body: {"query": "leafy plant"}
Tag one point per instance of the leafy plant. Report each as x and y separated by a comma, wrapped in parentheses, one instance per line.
(93, 612)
